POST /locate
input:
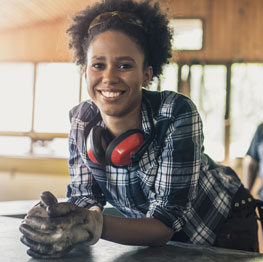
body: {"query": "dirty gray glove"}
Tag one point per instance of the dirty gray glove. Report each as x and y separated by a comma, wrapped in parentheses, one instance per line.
(51, 229)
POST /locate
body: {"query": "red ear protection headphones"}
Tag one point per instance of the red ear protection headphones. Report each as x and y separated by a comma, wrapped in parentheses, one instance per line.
(103, 149)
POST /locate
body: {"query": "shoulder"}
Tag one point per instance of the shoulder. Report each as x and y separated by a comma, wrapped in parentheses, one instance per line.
(84, 111)
(169, 104)
(178, 103)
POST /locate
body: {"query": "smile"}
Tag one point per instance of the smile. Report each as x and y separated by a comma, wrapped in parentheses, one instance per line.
(111, 94)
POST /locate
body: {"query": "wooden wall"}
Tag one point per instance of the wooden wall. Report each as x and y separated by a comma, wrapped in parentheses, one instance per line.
(43, 42)
(233, 30)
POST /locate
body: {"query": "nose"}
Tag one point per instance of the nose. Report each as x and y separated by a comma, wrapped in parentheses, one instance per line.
(110, 76)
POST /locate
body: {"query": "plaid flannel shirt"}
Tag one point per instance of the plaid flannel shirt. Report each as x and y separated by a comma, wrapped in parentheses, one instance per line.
(173, 181)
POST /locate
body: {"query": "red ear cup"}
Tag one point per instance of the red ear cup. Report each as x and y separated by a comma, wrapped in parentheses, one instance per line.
(118, 152)
(121, 149)
(95, 147)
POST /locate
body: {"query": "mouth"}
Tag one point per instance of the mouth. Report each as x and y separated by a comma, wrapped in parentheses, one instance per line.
(111, 94)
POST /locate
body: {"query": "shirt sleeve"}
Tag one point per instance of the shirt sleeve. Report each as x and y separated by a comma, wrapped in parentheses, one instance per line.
(253, 148)
(176, 184)
(83, 189)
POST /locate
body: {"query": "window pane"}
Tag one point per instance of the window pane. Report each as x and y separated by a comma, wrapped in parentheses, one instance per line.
(246, 105)
(16, 96)
(208, 91)
(57, 91)
(154, 84)
(169, 77)
(188, 34)
(58, 147)
(84, 90)
(14, 145)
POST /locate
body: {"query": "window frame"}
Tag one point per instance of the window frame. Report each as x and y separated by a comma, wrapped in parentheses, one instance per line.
(203, 34)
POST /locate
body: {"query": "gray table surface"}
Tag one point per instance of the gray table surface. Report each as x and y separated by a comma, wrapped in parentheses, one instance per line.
(19, 207)
(12, 250)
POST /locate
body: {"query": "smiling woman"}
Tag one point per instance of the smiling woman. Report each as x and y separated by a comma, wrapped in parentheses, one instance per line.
(115, 78)
(169, 189)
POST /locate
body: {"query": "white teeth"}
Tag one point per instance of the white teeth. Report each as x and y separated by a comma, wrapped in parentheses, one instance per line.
(110, 94)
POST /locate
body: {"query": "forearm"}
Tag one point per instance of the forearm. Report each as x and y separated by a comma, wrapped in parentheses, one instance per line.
(135, 231)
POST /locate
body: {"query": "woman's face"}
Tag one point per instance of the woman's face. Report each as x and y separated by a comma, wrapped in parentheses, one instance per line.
(115, 74)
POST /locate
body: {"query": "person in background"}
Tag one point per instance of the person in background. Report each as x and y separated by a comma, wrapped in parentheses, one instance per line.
(139, 150)
(253, 162)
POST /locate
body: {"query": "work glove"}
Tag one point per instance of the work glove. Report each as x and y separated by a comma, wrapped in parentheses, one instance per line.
(51, 229)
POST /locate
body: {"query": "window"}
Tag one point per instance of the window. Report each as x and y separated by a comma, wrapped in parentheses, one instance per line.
(57, 91)
(35, 119)
(246, 105)
(169, 79)
(84, 91)
(16, 99)
(209, 96)
(14, 145)
(188, 33)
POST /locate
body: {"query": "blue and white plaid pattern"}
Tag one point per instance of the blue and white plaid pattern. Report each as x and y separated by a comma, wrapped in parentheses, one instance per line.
(181, 186)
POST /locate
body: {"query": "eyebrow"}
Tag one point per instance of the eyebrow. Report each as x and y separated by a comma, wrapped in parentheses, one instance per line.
(126, 58)
(121, 58)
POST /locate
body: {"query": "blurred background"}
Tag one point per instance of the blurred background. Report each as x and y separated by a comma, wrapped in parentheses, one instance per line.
(217, 61)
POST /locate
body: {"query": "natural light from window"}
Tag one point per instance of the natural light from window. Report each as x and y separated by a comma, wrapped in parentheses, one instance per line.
(208, 91)
(188, 33)
(57, 91)
(246, 105)
(16, 99)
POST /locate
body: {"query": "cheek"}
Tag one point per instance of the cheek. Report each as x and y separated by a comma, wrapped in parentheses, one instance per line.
(135, 80)
(137, 84)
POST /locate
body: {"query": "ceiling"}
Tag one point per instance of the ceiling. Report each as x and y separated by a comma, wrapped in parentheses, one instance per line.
(21, 13)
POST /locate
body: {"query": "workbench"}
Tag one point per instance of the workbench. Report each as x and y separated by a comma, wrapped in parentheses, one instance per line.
(12, 250)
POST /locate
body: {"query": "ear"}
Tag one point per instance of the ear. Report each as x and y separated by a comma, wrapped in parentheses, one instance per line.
(147, 76)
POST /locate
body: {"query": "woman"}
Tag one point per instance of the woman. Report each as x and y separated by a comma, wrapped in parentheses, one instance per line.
(141, 151)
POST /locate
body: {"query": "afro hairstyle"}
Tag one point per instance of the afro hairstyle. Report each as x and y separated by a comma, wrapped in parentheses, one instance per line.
(154, 40)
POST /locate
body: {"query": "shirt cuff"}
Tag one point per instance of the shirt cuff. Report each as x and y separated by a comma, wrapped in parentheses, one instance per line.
(85, 202)
(166, 217)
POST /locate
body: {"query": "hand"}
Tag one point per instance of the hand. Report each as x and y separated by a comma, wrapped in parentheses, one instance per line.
(51, 229)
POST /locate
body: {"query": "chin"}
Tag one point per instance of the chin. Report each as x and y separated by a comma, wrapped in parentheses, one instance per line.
(114, 113)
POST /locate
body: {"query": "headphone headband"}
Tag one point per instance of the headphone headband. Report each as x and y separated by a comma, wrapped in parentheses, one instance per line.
(129, 146)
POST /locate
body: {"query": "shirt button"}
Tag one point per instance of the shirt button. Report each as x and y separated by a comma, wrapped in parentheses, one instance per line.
(236, 204)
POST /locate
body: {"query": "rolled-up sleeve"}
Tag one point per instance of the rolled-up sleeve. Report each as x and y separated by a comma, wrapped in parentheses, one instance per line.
(176, 183)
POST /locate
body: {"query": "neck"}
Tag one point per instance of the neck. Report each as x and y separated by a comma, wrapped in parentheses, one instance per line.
(119, 125)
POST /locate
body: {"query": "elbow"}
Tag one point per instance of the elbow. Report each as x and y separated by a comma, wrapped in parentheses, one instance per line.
(163, 238)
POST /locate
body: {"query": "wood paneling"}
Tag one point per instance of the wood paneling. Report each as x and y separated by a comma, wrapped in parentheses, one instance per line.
(44, 42)
(233, 31)
(21, 13)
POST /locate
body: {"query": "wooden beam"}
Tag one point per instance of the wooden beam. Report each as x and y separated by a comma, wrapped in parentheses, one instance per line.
(36, 165)
(35, 135)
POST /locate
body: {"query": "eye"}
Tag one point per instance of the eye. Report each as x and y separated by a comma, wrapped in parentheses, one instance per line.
(98, 66)
(125, 66)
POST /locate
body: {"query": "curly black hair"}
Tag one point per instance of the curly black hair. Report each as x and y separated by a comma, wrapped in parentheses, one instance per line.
(154, 40)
